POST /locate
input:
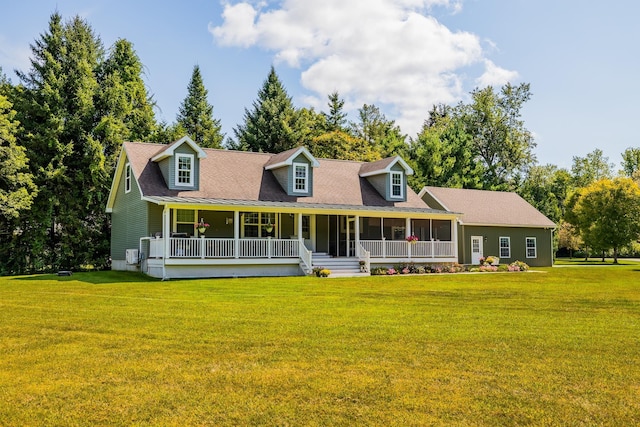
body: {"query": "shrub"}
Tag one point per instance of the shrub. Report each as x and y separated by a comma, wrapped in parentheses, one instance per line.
(518, 266)
(321, 271)
(378, 271)
(392, 271)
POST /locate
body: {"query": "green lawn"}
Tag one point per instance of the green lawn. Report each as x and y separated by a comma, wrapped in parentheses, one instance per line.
(557, 347)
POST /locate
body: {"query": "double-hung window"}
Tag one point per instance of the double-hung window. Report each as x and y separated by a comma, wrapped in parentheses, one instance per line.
(300, 178)
(505, 247)
(396, 185)
(127, 178)
(184, 170)
(532, 251)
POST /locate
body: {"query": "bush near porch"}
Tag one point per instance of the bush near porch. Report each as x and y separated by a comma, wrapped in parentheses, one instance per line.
(558, 347)
(413, 268)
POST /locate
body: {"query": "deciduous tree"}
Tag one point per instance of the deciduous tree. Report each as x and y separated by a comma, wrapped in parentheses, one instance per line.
(607, 214)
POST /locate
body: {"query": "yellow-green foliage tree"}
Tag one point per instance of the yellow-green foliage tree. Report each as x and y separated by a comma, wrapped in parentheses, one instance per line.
(607, 214)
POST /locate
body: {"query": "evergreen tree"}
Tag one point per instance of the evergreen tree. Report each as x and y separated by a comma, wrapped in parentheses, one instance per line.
(271, 125)
(336, 119)
(196, 114)
(124, 108)
(67, 226)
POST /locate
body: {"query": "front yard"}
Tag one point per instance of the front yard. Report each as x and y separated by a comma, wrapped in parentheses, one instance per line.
(557, 347)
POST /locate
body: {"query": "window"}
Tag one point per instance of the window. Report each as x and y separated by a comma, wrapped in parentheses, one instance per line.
(127, 178)
(532, 251)
(300, 178)
(185, 221)
(184, 169)
(396, 185)
(257, 224)
(505, 247)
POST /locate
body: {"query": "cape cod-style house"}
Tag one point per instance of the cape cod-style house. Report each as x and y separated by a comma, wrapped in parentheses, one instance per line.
(179, 211)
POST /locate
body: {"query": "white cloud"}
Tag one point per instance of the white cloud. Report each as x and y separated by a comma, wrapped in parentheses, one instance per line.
(494, 75)
(389, 52)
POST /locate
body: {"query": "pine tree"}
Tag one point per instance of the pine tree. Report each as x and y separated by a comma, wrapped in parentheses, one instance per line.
(271, 126)
(196, 114)
(336, 119)
(67, 226)
(124, 107)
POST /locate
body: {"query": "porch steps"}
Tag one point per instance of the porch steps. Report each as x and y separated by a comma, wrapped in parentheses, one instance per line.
(340, 267)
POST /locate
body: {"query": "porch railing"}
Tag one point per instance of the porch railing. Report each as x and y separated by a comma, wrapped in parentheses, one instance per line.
(403, 249)
(225, 248)
(290, 248)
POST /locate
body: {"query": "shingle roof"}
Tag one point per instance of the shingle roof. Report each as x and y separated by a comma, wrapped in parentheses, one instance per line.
(481, 207)
(241, 176)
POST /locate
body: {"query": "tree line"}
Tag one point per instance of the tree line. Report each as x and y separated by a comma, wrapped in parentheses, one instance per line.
(63, 124)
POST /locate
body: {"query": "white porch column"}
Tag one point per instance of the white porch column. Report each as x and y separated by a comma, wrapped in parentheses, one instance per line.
(299, 232)
(236, 234)
(166, 231)
(357, 232)
(407, 226)
(454, 238)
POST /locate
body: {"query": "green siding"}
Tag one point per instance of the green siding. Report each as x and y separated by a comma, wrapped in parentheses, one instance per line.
(380, 183)
(517, 236)
(282, 176)
(130, 220)
(431, 202)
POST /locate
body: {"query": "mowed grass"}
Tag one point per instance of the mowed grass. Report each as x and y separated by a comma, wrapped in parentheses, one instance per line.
(556, 347)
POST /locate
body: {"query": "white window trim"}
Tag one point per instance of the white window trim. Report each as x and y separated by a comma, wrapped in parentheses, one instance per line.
(191, 170)
(306, 178)
(401, 185)
(508, 247)
(127, 178)
(535, 247)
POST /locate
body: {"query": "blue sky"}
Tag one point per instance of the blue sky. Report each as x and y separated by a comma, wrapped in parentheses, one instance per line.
(582, 60)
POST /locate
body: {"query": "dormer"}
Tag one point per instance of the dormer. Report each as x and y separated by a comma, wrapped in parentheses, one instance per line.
(179, 163)
(389, 177)
(293, 169)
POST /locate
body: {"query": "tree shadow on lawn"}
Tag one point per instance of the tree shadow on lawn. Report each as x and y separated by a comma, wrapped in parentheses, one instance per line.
(93, 277)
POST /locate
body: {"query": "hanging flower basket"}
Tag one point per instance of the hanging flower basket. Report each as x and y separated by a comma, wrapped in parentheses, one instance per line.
(202, 226)
(412, 239)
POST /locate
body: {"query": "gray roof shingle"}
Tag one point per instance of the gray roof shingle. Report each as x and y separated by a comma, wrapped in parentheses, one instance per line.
(239, 175)
(481, 207)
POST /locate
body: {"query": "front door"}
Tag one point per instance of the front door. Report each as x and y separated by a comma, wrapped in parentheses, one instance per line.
(342, 235)
(476, 249)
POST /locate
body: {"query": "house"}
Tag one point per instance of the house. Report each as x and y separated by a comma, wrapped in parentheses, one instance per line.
(267, 214)
(495, 223)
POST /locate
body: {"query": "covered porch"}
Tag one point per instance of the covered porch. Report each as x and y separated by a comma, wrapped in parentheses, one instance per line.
(259, 236)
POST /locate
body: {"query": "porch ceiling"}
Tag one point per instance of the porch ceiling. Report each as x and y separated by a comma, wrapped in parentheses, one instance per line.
(293, 206)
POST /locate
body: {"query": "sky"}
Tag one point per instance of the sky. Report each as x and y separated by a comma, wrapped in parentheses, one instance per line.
(581, 59)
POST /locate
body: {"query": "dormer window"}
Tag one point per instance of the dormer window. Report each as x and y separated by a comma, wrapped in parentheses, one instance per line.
(184, 170)
(301, 178)
(396, 185)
